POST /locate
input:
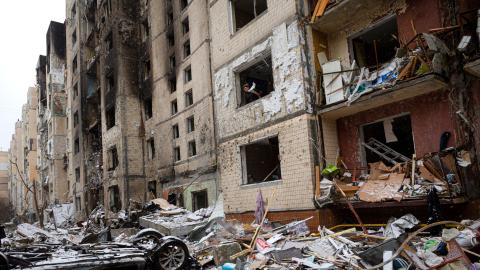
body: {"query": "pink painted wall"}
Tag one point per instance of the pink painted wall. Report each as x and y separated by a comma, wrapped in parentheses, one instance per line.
(430, 114)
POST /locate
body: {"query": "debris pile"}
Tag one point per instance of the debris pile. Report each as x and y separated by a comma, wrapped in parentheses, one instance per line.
(407, 180)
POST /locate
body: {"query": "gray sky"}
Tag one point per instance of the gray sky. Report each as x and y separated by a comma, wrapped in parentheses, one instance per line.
(23, 26)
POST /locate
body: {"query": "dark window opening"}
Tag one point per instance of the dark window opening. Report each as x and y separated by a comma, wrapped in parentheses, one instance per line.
(176, 199)
(112, 158)
(145, 30)
(190, 124)
(148, 107)
(151, 148)
(256, 81)
(109, 42)
(174, 107)
(75, 119)
(74, 37)
(74, 64)
(115, 203)
(169, 19)
(146, 70)
(172, 63)
(376, 43)
(244, 11)
(110, 117)
(184, 3)
(172, 85)
(192, 149)
(74, 10)
(187, 73)
(152, 188)
(186, 49)
(261, 161)
(395, 132)
(171, 40)
(110, 83)
(78, 204)
(185, 26)
(176, 153)
(199, 199)
(175, 131)
(76, 146)
(188, 98)
(77, 175)
(75, 90)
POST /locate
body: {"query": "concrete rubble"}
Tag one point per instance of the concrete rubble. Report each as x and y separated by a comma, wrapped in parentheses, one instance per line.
(215, 242)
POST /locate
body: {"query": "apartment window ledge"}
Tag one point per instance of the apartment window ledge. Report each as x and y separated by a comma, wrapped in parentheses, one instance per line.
(253, 103)
(262, 184)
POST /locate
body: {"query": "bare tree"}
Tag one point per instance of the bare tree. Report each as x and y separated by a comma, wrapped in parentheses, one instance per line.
(32, 189)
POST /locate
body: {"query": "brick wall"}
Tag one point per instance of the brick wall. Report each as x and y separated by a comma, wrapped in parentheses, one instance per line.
(294, 191)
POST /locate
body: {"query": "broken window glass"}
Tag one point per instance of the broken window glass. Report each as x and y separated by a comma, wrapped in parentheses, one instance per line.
(185, 26)
(110, 117)
(147, 103)
(256, 81)
(174, 107)
(112, 158)
(192, 149)
(77, 146)
(175, 131)
(244, 11)
(377, 44)
(176, 152)
(190, 124)
(199, 199)
(151, 148)
(188, 98)
(77, 174)
(115, 203)
(152, 188)
(186, 49)
(261, 161)
(187, 74)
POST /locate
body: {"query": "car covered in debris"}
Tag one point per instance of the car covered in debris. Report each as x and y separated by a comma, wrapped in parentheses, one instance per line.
(148, 249)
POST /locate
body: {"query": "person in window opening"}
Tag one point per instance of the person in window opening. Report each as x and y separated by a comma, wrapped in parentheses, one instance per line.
(250, 93)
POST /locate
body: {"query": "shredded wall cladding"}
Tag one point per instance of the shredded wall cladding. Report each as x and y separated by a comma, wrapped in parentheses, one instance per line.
(285, 46)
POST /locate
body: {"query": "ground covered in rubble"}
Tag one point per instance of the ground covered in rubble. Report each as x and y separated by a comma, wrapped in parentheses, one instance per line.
(163, 236)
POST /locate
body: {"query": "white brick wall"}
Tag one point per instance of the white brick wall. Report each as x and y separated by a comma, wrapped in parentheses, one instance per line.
(294, 191)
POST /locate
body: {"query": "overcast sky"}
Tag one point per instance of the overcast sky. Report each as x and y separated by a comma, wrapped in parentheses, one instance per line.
(23, 26)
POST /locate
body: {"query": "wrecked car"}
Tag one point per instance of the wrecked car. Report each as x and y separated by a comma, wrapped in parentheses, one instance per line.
(148, 249)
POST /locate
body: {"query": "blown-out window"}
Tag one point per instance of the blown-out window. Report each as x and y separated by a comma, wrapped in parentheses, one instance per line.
(245, 11)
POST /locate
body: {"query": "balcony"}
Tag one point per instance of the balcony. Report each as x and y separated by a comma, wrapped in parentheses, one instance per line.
(473, 68)
(345, 13)
(401, 91)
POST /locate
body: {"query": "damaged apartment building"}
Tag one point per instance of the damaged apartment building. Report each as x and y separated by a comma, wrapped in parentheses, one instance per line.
(392, 90)
(52, 118)
(263, 104)
(139, 98)
(23, 159)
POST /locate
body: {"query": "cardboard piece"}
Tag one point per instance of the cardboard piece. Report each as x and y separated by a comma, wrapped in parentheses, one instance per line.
(382, 190)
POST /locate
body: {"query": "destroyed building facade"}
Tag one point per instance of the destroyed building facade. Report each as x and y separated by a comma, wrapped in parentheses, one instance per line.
(4, 183)
(262, 96)
(23, 171)
(175, 80)
(417, 110)
(52, 118)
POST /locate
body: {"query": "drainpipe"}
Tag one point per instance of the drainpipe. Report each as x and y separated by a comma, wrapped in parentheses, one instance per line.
(215, 139)
(319, 148)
